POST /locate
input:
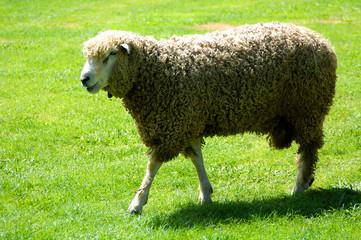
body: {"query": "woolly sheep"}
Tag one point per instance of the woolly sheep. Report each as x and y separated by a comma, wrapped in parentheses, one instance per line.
(274, 79)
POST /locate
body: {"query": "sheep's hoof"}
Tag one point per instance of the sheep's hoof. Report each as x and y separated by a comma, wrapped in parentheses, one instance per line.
(300, 188)
(133, 211)
(205, 196)
(204, 201)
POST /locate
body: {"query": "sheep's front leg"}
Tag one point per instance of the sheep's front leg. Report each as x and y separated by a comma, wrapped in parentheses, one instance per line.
(141, 196)
(205, 187)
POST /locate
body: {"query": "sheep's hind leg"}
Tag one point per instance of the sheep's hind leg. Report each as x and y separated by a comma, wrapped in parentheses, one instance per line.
(141, 196)
(306, 160)
(205, 187)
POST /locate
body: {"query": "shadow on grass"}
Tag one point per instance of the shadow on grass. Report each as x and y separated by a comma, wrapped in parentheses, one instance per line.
(311, 203)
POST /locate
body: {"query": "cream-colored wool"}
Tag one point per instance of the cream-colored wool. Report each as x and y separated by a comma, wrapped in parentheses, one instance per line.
(276, 79)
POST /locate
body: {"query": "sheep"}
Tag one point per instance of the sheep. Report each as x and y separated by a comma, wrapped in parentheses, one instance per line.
(274, 79)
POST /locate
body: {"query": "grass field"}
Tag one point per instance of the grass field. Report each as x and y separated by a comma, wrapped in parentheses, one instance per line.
(70, 161)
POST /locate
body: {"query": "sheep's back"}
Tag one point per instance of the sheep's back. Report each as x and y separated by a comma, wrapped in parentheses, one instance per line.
(248, 75)
(229, 82)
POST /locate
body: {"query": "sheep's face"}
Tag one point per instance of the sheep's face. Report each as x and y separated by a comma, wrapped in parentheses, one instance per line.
(96, 72)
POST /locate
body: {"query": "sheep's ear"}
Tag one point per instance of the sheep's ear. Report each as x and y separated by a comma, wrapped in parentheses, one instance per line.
(126, 47)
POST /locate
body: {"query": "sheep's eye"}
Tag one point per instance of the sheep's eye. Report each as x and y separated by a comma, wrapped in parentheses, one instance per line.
(106, 60)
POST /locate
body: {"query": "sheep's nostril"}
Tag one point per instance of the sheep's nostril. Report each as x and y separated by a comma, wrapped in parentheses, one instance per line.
(84, 80)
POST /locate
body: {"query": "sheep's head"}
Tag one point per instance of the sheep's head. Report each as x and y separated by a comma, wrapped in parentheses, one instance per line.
(107, 55)
(98, 69)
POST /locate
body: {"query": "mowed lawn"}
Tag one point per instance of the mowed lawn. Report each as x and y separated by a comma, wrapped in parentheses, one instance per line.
(71, 161)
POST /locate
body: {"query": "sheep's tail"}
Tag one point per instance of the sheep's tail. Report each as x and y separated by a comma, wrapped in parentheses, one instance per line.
(282, 134)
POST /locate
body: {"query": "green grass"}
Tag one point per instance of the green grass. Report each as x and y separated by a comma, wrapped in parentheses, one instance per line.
(70, 161)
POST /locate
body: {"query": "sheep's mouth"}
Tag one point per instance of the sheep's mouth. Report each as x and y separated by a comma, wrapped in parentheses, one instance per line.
(93, 89)
(90, 89)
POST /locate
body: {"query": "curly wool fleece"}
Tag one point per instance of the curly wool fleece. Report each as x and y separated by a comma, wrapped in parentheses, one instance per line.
(276, 79)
